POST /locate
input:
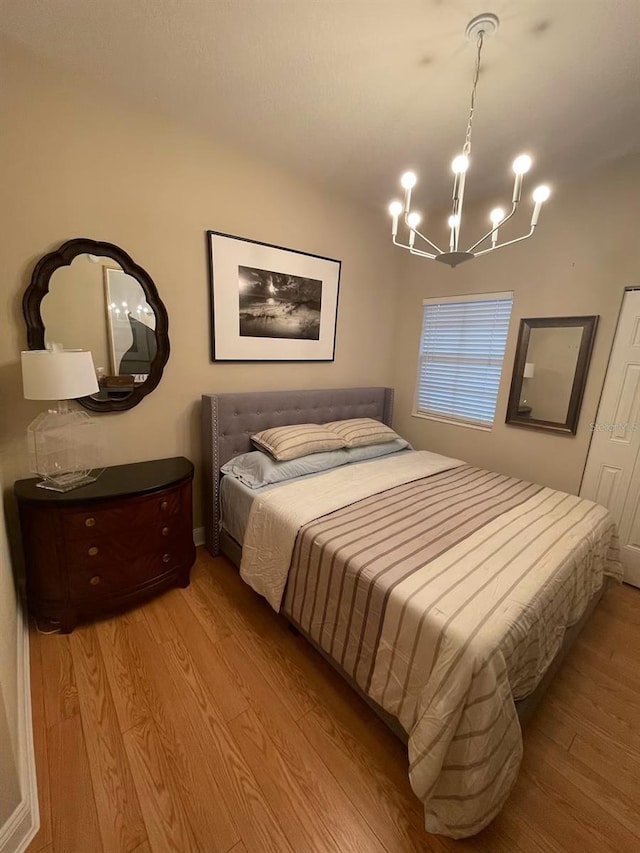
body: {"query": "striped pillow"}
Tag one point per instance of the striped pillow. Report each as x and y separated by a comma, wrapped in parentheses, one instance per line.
(358, 432)
(291, 442)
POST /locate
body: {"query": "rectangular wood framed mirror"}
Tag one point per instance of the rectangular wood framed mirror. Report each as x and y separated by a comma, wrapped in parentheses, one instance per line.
(550, 372)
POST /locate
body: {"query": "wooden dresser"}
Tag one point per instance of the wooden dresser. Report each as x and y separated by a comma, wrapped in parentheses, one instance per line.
(108, 545)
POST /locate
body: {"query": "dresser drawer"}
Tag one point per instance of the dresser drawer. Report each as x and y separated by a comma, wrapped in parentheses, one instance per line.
(117, 578)
(100, 551)
(128, 514)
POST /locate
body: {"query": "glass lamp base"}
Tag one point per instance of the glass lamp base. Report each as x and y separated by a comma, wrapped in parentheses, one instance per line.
(66, 484)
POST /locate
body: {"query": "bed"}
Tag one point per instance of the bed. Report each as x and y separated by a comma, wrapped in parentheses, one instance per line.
(400, 571)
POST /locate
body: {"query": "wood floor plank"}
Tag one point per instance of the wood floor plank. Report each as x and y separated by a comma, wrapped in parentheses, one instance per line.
(394, 815)
(264, 639)
(596, 707)
(269, 727)
(194, 643)
(139, 687)
(121, 824)
(60, 692)
(195, 777)
(43, 838)
(615, 763)
(300, 819)
(157, 616)
(161, 800)
(604, 824)
(75, 826)
(623, 603)
(239, 788)
(133, 699)
(555, 726)
(611, 666)
(208, 615)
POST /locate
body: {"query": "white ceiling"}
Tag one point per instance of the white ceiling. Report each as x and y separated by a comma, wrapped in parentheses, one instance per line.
(351, 93)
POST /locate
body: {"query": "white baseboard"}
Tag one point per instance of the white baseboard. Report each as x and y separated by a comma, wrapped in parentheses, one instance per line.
(18, 831)
(198, 538)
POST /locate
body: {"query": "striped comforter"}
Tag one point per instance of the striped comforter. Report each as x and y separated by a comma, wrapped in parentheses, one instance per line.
(444, 595)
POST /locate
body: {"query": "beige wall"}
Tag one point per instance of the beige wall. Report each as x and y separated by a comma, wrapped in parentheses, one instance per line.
(584, 253)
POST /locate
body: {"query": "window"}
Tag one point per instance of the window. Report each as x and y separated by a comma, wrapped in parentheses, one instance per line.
(461, 354)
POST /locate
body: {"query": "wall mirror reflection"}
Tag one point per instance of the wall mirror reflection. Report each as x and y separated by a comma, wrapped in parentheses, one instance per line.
(550, 372)
(92, 296)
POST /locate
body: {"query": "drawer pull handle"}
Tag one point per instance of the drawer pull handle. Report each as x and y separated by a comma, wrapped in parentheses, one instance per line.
(164, 505)
(89, 522)
(93, 551)
(165, 531)
(95, 580)
(166, 558)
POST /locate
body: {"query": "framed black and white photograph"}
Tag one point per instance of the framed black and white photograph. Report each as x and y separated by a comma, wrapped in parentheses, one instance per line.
(269, 303)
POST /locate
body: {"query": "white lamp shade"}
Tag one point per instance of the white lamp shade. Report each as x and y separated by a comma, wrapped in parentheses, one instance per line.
(529, 370)
(58, 374)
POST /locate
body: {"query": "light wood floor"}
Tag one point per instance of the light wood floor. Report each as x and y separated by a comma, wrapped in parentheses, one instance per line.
(200, 723)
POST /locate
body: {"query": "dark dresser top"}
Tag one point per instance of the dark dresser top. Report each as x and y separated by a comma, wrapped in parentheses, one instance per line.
(136, 478)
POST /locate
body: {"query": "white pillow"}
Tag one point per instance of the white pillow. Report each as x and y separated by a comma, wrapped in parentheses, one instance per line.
(256, 469)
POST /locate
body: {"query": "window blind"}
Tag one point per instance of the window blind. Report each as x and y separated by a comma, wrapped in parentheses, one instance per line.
(461, 354)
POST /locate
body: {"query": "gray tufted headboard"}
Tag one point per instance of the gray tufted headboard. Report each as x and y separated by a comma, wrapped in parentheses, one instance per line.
(229, 421)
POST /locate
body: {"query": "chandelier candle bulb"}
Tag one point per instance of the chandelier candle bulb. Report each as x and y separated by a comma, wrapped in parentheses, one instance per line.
(413, 220)
(521, 166)
(454, 223)
(496, 216)
(408, 181)
(540, 195)
(395, 209)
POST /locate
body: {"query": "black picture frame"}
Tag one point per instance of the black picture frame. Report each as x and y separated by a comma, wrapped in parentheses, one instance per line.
(301, 327)
(515, 416)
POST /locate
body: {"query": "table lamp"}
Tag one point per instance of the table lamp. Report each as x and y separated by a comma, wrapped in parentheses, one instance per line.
(65, 444)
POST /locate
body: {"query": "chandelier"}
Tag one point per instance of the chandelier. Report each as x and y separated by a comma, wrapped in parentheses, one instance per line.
(478, 28)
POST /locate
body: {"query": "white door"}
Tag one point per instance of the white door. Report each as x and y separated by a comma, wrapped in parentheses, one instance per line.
(612, 474)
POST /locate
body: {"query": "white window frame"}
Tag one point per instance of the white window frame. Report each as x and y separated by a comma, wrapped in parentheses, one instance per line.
(456, 420)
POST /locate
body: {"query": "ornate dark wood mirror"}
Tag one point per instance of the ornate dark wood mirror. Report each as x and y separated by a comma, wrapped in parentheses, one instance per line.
(550, 372)
(92, 295)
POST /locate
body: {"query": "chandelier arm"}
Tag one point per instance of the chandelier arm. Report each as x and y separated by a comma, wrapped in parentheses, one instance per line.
(422, 237)
(422, 254)
(508, 243)
(428, 241)
(412, 250)
(489, 233)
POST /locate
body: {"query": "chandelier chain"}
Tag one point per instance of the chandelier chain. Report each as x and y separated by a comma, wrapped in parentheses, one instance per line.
(466, 148)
